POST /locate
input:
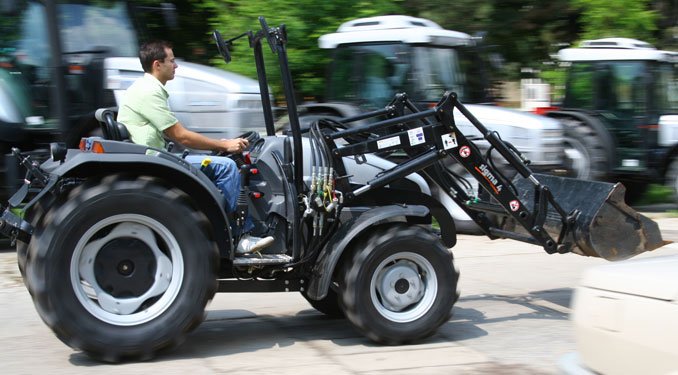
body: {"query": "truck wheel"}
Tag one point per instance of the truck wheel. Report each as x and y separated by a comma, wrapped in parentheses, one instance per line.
(400, 285)
(122, 269)
(584, 150)
(329, 305)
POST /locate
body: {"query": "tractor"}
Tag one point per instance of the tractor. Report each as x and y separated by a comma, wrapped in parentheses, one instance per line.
(121, 246)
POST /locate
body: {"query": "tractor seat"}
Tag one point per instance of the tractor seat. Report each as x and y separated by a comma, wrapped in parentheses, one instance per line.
(113, 130)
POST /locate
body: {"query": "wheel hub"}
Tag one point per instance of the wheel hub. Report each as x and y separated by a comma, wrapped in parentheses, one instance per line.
(125, 267)
(400, 285)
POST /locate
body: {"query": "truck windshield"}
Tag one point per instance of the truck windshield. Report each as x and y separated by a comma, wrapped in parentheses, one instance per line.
(437, 70)
(370, 74)
(103, 25)
(614, 86)
(667, 88)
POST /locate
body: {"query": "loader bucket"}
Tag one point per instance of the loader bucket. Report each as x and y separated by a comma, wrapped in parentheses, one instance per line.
(606, 226)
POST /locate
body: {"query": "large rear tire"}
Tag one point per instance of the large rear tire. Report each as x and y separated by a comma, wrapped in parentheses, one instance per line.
(400, 285)
(122, 269)
(585, 150)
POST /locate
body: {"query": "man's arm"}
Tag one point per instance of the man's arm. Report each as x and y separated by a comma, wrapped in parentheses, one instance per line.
(191, 139)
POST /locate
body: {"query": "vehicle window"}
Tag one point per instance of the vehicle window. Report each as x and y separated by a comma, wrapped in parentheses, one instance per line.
(476, 68)
(368, 75)
(666, 89)
(26, 66)
(104, 25)
(438, 70)
(580, 86)
(628, 91)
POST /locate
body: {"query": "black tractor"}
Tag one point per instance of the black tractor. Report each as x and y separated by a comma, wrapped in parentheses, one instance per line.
(121, 247)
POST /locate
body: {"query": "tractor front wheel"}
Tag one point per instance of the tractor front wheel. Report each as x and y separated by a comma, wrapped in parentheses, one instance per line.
(400, 285)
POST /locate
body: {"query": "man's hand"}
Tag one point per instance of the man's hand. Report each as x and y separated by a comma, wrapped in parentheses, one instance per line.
(234, 146)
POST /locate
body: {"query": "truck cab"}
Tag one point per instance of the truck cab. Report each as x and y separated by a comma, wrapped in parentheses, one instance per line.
(62, 60)
(621, 110)
(373, 58)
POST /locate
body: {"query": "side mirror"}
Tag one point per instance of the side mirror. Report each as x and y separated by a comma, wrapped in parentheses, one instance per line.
(222, 46)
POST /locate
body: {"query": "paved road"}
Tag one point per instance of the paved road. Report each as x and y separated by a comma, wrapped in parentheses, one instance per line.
(512, 318)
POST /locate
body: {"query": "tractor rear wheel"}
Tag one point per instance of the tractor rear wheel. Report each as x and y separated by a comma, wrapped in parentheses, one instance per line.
(584, 149)
(400, 285)
(122, 268)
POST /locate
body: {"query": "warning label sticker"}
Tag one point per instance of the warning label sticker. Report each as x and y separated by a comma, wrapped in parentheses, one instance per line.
(416, 136)
(388, 142)
(465, 151)
(449, 141)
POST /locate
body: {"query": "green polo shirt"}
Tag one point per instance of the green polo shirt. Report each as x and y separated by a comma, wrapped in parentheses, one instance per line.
(145, 111)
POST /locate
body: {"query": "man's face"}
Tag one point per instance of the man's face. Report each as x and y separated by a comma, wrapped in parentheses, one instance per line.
(165, 69)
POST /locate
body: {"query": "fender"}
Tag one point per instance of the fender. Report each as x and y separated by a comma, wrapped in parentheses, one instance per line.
(321, 276)
(597, 125)
(166, 166)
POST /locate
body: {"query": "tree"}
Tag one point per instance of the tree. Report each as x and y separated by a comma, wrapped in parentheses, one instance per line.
(305, 21)
(621, 18)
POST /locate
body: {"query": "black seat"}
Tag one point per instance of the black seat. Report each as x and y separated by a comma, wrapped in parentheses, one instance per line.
(112, 129)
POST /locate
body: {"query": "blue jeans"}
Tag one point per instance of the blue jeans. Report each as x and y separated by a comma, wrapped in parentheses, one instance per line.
(225, 174)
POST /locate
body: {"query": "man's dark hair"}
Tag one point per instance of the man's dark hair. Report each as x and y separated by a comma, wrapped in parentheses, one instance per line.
(151, 51)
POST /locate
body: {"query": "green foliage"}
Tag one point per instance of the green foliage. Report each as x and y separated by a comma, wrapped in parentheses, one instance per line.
(524, 32)
(657, 194)
(555, 77)
(305, 21)
(619, 18)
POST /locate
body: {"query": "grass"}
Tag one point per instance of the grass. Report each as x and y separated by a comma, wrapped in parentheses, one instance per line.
(657, 194)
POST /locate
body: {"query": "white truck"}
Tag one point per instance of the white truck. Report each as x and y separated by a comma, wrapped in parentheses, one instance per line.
(620, 111)
(374, 58)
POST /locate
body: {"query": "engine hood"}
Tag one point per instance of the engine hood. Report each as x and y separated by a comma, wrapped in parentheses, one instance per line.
(654, 277)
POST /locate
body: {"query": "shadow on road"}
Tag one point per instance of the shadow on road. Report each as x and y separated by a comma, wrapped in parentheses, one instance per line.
(236, 331)
(469, 313)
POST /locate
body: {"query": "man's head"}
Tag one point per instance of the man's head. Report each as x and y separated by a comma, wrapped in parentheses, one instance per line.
(157, 58)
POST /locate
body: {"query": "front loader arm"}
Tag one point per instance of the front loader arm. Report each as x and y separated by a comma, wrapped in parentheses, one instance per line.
(440, 139)
(522, 208)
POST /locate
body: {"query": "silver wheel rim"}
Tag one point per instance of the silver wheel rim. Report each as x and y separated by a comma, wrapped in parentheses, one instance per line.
(578, 157)
(404, 287)
(166, 280)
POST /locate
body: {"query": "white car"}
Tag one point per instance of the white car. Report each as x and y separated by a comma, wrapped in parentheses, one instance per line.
(207, 100)
(625, 319)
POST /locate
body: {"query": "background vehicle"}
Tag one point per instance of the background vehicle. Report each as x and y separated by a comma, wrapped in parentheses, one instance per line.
(61, 60)
(621, 111)
(610, 310)
(121, 249)
(373, 58)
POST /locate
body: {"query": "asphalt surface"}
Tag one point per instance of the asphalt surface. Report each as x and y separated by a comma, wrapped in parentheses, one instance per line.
(512, 318)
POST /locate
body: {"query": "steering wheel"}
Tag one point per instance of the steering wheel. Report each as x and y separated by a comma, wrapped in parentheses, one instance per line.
(251, 137)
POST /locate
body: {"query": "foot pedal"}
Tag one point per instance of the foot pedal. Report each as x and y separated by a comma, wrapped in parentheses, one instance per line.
(262, 260)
